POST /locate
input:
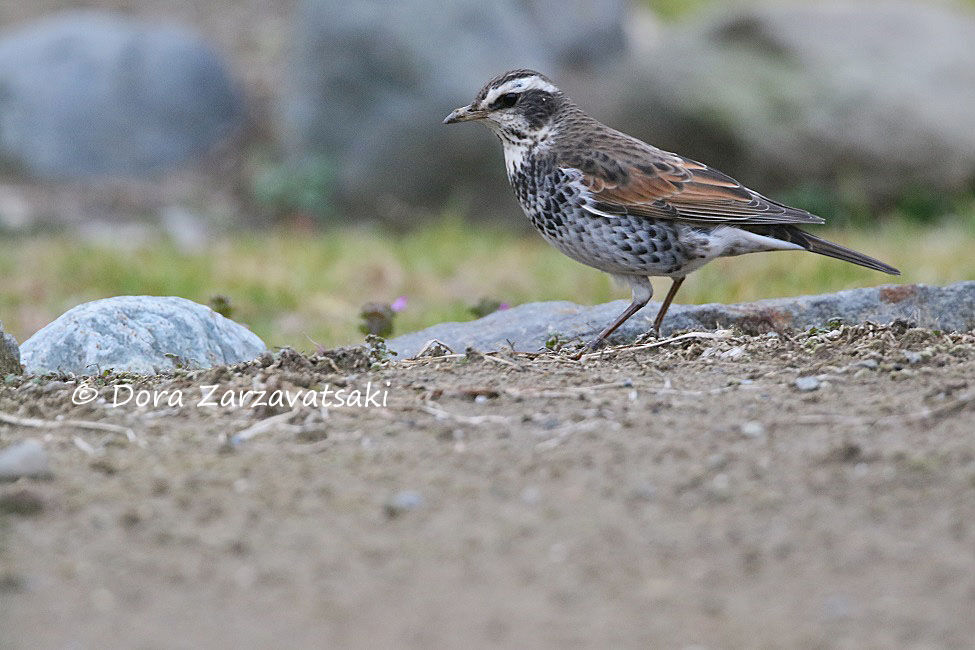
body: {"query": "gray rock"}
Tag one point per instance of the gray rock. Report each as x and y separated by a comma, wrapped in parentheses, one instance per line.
(912, 357)
(528, 326)
(88, 93)
(402, 502)
(786, 95)
(24, 459)
(141, 334)
(9, 355)
(752, 429)
(807, 384)
(373, 80)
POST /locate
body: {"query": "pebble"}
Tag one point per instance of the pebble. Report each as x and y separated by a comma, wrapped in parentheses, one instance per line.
(26, 458)
(720, 487)
(531, 495)
(644, 492)
(733, 354)
(870, 364)
(752, 429)
(717, 461)
(807, 384)
(912, 357)
(402, 502)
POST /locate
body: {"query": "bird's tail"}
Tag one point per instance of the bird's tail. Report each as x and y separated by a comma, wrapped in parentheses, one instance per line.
(815, 244)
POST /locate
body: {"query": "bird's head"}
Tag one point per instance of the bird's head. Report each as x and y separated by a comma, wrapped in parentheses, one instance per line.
(517, 105)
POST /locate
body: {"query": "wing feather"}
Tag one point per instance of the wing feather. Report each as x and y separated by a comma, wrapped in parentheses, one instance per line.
(645, 181)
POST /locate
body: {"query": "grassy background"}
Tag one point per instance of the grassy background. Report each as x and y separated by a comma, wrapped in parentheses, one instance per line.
(295, 288)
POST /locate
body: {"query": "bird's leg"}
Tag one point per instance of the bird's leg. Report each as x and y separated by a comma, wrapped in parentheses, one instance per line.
(658, 321)
(642, 292)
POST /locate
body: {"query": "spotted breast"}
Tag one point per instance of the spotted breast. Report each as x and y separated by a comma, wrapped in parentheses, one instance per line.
(555, 200)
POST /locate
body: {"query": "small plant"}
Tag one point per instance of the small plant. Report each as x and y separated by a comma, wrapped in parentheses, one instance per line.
(487, 306)
(221, 304)
(555, 342)
(377, 319)
(379, 353)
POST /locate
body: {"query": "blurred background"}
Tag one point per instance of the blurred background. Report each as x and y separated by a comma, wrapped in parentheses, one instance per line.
(285, 161)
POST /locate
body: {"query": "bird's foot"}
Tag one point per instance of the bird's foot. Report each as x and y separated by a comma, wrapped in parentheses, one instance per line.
(648, 337)
(591, 346)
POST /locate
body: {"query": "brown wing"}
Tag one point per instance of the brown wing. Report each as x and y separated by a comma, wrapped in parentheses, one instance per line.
(660, 185)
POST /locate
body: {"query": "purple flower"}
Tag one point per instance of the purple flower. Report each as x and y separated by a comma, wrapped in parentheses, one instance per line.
(503, 306)
(399, 304)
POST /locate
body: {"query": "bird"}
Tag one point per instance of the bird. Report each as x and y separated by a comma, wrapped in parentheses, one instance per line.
(625, 207)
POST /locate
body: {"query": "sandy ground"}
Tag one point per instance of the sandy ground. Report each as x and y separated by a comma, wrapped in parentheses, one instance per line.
(684, 495)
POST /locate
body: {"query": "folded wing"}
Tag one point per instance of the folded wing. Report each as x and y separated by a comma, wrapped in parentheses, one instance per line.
(649, 182)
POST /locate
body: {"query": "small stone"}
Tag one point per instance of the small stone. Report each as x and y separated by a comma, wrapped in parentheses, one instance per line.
(752, 429)
(25, 503)
(807, 384)
(644, 492)
(717, 461)
(869, 364)
(402, 502)
(720, 487)
(733, 354)
(26, 458)
(912, 357)
(530, 495)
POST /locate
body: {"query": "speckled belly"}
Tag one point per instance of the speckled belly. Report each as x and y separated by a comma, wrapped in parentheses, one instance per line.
(621, 245)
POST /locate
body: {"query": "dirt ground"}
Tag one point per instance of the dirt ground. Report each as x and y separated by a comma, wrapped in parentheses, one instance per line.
(682, 495)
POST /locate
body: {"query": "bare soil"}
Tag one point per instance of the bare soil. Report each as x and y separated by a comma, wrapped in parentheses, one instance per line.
(687, 494)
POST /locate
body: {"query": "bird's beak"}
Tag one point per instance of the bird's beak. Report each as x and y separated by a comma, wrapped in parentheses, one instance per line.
(464, 114)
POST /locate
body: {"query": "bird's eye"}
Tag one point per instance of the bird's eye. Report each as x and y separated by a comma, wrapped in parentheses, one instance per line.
(506, 101)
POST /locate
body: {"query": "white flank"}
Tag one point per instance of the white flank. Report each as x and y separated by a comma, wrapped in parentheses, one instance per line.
(728, 240)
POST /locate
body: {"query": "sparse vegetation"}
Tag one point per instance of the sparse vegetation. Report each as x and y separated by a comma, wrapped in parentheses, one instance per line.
(295, 289)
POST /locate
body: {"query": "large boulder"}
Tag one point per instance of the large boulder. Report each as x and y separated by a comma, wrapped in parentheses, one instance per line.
(527, 327)
(373, 80)
(873, 97)
(95, 94)
(140, 334)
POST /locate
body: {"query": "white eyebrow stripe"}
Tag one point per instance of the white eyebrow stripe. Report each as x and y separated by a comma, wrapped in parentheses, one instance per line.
(521, 84)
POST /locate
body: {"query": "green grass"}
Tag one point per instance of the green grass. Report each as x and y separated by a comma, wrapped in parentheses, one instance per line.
(293, 288)
(674, 10)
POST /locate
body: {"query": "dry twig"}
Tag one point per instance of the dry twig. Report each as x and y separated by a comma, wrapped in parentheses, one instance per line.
(36, 423)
